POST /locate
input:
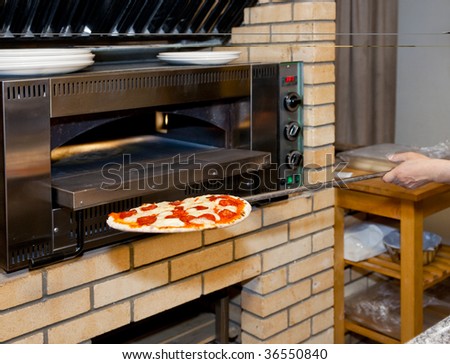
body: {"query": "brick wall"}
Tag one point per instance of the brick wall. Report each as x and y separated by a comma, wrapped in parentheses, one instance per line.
(281, 256)
(293, 300)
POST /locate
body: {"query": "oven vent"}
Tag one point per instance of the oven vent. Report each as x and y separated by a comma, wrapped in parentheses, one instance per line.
(266, 71)
(119, 21)
(94, 218)
(24, 254)
(202, 188)
(26, 91)
(119, 85)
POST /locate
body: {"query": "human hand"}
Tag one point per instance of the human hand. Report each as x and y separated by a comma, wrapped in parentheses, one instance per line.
(414, 170)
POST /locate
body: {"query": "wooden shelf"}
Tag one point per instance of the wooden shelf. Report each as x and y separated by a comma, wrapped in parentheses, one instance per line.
(408, 208)
(433, 273)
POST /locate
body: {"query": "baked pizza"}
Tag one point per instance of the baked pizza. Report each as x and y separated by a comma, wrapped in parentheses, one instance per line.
(190, 214)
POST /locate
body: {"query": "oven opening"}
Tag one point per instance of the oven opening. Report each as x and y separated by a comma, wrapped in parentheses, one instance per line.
(153, 153)
(206, 320)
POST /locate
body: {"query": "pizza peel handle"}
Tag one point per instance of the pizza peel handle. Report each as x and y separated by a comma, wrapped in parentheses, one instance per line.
(313, 187)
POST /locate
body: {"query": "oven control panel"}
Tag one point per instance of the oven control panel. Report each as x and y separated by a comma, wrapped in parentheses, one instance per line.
(291, 124)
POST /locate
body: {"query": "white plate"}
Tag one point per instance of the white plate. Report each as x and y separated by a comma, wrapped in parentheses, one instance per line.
(199, 61)
(46, 59)
(39, 69)
(42, 52)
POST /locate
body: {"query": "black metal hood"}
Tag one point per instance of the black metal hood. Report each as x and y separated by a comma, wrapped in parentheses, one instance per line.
(112, 22)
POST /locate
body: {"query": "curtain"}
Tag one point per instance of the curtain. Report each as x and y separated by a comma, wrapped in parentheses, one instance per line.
(366, 61)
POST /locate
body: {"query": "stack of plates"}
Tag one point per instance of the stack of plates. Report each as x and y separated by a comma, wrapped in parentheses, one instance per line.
(199, 58)
(43, 61)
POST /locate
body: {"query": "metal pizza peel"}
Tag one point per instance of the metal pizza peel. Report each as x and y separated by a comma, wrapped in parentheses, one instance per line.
(340, 182)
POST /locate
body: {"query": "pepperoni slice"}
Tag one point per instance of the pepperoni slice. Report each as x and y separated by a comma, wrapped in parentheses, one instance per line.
(149, 207)
(228, 202)
(199, 208)
(226, 215)
(175, 203)
(125, 214)
(146, 220)
(207, 216)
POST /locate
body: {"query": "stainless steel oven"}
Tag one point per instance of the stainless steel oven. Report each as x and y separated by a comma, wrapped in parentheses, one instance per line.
(75, 147)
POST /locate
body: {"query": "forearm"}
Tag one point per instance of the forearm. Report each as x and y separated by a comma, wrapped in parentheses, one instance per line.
(441, 170)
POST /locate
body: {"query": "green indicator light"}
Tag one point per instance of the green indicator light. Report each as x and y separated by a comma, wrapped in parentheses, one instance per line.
(289, 180)
(297, 178)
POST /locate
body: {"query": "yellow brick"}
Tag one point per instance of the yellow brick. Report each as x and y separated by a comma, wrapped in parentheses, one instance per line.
(319, 94)
(319, 52)
(167, 297)
(19, 288)
(86, 327)
(286, 209)
(268, 282)
(325, 337)
(310, 307)
(324, 31)
(322, 321)
(131, 284)
(318, 136)
(317, 177)
(293, 335)
(323, 281)
(262, 328)
(262, 240)
(286, 253)
(32, 339)
(318, 157)
(323, 199)
(311, 265)
(251, 223)
(264, 306)
(201, 260)
(250, 35)
(303, 32)
(319, 115)
(316, 74)
(19, 322)
(246, 16)
(311, 223)
(163, 246)
(230, 274)
(92, 266)
(299, 32)
(315, 10)
(271, 14)
(323, 239)
(270, 53)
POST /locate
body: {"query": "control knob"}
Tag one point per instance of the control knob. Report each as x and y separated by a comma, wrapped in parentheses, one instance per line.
(292, 130)
(294, 159)
(292, 101)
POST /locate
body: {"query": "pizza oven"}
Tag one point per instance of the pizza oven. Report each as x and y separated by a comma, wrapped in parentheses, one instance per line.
(129, 130)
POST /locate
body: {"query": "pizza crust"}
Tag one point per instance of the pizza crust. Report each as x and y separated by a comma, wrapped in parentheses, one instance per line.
(177, 226)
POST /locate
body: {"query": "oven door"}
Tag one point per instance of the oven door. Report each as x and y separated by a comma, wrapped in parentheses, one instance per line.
(150, 166)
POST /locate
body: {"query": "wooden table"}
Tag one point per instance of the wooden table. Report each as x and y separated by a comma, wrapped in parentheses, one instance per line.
(409, 207)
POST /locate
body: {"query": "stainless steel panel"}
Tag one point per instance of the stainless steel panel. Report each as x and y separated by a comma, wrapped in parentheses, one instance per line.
(130, 88)
(26, 193)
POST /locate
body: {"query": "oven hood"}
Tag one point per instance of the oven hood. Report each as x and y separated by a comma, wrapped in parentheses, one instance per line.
(119, 22)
